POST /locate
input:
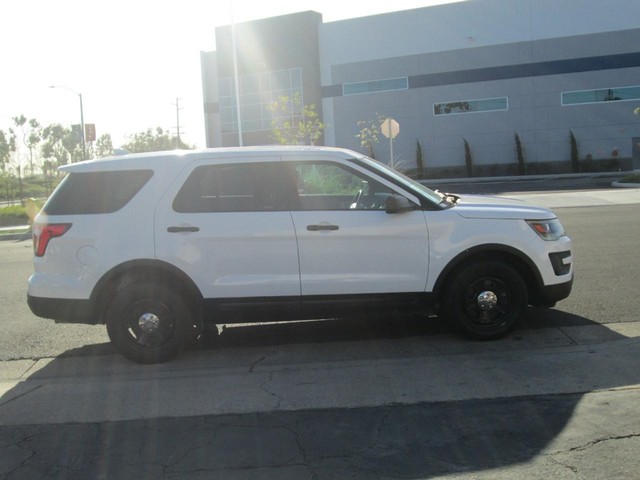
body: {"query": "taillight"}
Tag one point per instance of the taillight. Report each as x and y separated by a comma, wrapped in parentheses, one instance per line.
(43, 233)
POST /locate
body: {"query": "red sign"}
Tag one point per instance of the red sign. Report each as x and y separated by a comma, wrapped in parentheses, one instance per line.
(89, 132)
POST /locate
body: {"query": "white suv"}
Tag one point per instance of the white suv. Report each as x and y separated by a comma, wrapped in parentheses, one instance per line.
(161, 246)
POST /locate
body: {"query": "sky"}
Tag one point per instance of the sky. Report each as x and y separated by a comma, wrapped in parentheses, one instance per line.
(129, 60)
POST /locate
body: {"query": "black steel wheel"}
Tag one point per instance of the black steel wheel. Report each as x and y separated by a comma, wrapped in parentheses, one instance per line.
(149, 323)
(486, 299)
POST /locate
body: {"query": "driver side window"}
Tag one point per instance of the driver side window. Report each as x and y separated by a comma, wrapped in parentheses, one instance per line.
(328, 186)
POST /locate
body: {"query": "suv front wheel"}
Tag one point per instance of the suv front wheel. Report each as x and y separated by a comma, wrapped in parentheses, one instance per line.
(486, 299)
(149, 323)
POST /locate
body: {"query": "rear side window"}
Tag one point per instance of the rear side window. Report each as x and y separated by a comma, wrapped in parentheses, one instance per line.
(242, 187)
(96, 192)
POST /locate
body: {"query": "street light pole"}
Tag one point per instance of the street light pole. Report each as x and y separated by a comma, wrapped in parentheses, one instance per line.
(84, 146)
(234, 48)
(84, 143)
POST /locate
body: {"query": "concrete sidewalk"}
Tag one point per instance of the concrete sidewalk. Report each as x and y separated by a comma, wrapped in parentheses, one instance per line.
(437, 368)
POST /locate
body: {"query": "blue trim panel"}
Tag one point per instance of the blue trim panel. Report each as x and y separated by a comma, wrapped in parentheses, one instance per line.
(539, 69)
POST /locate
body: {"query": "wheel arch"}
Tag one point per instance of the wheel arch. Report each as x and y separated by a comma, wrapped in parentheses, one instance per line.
(511, 256)
(138, 271)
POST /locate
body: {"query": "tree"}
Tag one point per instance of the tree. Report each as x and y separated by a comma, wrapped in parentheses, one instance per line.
(7, 147)
(154, 140)
(419, 160)
(575, 155)
(104, 146)
(369, 134)
(31, 136)
(293, 123)
(468, 158)
(520, 156)
(54, 147)
(62, 144)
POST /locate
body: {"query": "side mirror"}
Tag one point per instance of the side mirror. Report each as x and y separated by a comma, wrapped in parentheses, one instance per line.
(397, 204)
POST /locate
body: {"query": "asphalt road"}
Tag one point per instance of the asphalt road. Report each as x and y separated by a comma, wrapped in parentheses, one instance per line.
(605, 291)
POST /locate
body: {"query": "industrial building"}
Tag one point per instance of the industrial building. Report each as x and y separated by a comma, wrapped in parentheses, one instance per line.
(486, 72)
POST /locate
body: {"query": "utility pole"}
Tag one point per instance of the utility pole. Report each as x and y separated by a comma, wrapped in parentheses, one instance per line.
(82, 135)
(178, 108)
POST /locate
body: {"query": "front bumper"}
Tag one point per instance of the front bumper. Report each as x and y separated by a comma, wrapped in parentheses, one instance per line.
(548, 295)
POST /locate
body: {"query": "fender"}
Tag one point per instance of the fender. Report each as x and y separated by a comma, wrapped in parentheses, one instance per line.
(522, 263)
(136, 270)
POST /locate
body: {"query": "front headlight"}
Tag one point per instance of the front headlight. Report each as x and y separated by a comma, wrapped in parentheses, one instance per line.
(548, 230)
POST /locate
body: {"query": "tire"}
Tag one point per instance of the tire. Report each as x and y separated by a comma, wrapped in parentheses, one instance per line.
(486, 300)
(149, 323)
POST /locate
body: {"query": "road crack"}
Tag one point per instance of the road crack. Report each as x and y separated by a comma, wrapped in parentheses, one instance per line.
(593, 443)
(254, 364)
(264, 388)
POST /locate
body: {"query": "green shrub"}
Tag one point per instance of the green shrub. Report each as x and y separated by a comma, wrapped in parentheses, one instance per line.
(14, 215)
(634, 178)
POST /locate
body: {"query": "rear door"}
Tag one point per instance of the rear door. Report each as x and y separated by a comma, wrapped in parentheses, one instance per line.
(227, 224)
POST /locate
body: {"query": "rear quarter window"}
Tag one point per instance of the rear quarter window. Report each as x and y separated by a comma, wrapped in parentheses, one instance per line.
(243, 187)
(96, 192)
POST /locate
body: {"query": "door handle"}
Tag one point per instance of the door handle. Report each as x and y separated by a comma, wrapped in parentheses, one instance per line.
(317, 228)
(182, 229)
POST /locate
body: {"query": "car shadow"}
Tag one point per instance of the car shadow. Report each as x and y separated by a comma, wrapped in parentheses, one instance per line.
(355, 328)
(413, 440)
(377, 327)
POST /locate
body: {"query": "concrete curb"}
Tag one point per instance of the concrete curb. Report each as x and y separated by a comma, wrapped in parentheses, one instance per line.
(26, 235)
(625, 185)
(524, 178)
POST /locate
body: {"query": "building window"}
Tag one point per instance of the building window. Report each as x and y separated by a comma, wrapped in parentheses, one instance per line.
(616, 94)
(257, 92)
(372, 86)
(471, 106)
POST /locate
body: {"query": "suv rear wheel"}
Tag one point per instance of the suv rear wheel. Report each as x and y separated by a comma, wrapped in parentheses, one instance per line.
(486, 299)
(149, 323)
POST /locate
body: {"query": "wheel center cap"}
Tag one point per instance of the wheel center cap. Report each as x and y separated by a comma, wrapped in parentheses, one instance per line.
(487, 300)
(149, 322)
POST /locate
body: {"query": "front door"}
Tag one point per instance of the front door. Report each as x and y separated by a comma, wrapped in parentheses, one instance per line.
(347, 243)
